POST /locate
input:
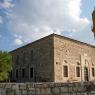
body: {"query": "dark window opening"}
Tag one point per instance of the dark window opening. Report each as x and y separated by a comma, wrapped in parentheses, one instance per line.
(93, 72)
(65, 69)
(31, 55)
(16, 73)
(23, 73)
(24, 58)
(17, 59)
(31, 72)
(86, 76)
(11, 74)
(78, 71)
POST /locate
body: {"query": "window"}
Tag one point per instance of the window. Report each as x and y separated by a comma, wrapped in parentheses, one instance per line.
(23, 73)
(65, 69)
(24, 56)
(17, 59)
(93, 72)
(78, 71)
(31, 72)
(11, 74)
(12, 58)
(31, 55)
(16, 73)
(86, 74)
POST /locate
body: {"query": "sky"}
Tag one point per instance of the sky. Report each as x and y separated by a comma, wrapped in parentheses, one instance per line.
(24, 21)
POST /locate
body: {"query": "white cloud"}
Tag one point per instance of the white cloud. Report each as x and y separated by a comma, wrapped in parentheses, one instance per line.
(30, 33)
(8, 0)
(18, 41)
(6, 5)
(1, 20)
(33, 19)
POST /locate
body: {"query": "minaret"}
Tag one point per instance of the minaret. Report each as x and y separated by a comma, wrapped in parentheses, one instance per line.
(93, 18)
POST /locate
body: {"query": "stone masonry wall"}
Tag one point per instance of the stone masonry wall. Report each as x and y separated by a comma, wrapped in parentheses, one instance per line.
(48, 56)
(41, 60)
(47, 89)
(72, 54)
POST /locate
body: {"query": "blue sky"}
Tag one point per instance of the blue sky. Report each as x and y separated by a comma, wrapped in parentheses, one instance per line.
(24, 21)
(87, 8)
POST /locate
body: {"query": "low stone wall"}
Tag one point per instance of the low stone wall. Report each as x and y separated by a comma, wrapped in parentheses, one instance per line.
(47, 89)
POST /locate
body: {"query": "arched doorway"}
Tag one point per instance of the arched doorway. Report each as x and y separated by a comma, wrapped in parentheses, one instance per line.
(86, 76)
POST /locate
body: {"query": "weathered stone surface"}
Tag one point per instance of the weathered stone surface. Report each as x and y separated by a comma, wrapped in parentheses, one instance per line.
(54, 89)
(72, 54)
(41, 61)
(50, 54)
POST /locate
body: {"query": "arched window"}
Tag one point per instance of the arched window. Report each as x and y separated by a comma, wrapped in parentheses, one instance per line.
(65, 71)
(93, 71)
(77, 71)
(86, 78)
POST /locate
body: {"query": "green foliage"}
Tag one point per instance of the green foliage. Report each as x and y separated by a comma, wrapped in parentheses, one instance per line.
(5, 65)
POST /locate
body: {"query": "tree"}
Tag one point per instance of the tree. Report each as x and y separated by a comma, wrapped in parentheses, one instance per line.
(5, 65)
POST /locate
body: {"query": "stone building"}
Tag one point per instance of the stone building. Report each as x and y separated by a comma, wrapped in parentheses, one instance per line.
(54, 58)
